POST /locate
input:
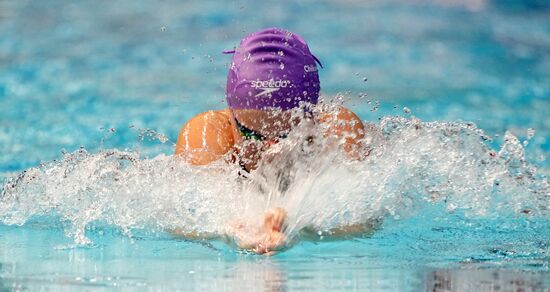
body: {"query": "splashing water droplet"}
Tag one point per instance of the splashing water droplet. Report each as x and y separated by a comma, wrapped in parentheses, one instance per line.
(412, 162)
(282, 65)
(406, 110)
(247, 57)
(530, 133)
(162, 138)
(280, 53)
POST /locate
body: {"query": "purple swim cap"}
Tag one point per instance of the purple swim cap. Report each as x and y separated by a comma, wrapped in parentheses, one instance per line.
(272, 68)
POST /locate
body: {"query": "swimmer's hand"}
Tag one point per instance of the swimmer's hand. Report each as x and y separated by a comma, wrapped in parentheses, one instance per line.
(268, 239)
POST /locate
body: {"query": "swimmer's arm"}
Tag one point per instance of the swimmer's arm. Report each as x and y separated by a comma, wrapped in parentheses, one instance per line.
(193, 235)
(344, 232)
(353, 230)
(205, 138)
(346, 124)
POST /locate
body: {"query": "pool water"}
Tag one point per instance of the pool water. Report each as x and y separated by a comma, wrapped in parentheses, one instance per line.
(457, 94)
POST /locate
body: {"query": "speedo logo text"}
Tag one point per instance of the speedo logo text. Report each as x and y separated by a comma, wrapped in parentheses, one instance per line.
(269, 86)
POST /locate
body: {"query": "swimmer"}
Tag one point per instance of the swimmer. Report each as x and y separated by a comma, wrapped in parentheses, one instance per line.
(272, 75)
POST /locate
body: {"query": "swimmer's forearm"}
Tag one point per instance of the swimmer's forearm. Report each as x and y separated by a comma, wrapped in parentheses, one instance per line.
(192, 235)
(353, 230)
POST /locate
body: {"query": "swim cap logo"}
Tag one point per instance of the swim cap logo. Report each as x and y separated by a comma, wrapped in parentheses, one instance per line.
(269, 86)
(310, 68)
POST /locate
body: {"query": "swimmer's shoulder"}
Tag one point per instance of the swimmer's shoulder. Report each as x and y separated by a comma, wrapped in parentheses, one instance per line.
(206, 137)
(344, 123)
(212, 116)
(344, 119)
(212, 119)
(339, 113)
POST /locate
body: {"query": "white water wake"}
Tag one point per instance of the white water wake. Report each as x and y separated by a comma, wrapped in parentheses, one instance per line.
(410, 162)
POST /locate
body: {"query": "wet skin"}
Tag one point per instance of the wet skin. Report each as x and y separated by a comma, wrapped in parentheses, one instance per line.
(210, 136)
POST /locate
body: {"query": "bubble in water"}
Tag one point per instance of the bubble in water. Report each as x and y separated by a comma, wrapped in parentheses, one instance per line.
(280, 53)
(406, 110)
(281, 65)
(163, 28)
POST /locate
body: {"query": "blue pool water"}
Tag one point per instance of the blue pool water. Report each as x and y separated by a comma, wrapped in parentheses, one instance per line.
(86, 85)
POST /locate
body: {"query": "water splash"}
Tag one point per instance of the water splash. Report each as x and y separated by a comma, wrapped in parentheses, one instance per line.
(411, 163)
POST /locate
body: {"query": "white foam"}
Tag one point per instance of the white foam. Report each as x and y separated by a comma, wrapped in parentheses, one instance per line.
(411, 162)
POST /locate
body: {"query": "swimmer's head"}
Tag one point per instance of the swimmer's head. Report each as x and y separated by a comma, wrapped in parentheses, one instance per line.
(272, 69)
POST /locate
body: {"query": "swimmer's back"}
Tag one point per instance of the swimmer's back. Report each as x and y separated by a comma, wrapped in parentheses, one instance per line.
(206, 137)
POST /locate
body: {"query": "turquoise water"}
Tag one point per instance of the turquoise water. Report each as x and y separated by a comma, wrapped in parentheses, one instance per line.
(127, 75)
